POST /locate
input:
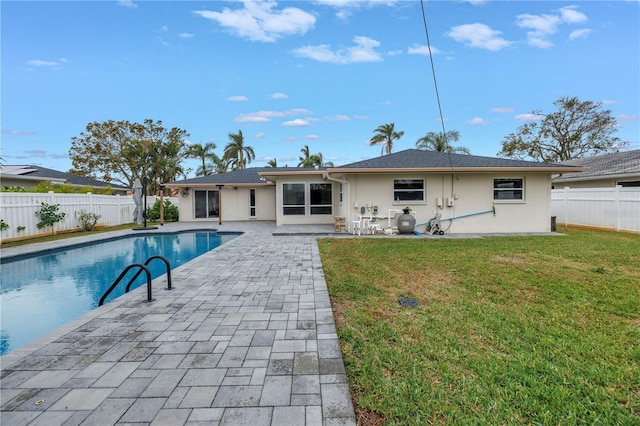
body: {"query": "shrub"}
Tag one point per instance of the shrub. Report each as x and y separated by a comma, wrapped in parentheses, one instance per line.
(49, 215)
(87, 219)
(3, 225)
(170, 211)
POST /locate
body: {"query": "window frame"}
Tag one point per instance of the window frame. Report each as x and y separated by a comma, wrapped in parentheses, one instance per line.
(252, 203)
(320, 206)
(396, 201)
(290, 209)
(521, 189)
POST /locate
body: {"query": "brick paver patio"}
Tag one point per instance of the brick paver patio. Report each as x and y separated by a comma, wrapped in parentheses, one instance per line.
(246, 337)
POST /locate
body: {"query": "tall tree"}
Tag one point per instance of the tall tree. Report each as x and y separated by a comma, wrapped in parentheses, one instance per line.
(576, 130)
(236, 153)
(318, 160)
(204, 153)
(434, 141)
(121, 151)
(385, 134)
(272, 163)
(305, 160)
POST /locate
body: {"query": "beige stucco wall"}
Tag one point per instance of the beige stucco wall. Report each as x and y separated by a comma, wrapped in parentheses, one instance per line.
(234, 204)
(473, 193)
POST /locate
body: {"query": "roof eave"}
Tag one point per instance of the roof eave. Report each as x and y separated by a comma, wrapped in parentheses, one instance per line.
(596, 177)
(211, 184)
(540, 169)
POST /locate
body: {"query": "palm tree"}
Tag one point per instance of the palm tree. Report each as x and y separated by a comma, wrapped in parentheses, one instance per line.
(433, 141)
(272, 163)
(317, 160)
(385, 135)
(305, 160)
(203, 153)
(236, 153)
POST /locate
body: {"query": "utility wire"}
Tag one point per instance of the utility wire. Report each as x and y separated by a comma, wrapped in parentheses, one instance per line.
(435, 83)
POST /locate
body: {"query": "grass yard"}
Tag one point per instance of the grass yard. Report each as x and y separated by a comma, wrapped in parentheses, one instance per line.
(510, 330)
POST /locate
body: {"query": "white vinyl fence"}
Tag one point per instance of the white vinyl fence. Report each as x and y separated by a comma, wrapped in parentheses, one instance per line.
(616, 208)
(18, 210)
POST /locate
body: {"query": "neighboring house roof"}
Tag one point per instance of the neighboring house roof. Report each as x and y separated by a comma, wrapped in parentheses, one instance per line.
(417, 159)
(614, 165)
(252, 176)
(39, 174)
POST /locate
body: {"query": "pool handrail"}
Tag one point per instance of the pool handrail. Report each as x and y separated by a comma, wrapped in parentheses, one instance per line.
(115, 283)
(146, 263)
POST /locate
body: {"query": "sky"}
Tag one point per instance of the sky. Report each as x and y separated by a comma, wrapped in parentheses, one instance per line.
(318, 73)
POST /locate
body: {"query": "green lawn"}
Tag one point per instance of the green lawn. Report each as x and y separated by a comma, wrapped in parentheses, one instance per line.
(510, 330)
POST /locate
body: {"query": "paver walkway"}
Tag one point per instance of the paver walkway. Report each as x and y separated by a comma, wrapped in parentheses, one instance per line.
(247, 337)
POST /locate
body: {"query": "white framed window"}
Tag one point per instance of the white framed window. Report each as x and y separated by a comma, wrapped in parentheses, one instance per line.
(508, 189)
(408, 190)
(252, 202)
(320, 201)
(293, 199)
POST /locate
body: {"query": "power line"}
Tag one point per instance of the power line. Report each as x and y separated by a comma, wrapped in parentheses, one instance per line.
(435, 83)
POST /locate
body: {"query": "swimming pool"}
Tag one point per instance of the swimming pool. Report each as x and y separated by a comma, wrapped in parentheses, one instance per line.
(42, 292)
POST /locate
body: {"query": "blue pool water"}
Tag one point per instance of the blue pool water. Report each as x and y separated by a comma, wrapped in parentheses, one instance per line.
(43, 292)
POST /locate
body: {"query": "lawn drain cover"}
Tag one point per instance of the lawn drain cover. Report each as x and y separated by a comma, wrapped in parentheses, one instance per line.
(408, 301)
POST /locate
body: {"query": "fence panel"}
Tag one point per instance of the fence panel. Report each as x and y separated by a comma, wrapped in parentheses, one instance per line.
(611, 208)
(18, 210)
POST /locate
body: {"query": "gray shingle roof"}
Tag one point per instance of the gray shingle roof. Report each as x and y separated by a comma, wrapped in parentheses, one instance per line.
(249, 176)
(417, 158)
(614, 164)
(44, 173)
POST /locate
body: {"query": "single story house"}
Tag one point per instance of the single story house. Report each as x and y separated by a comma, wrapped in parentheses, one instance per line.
(26, 176)
(602, 171)
(471, 193)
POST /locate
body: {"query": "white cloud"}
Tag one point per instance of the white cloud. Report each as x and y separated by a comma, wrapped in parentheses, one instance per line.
(363, 51)
(127, 3)
(312, 137)
(17, 132)
(543, 26)
(576, 34)
(267, 116)
(261, 21)
(529, 117)
(260, 135)
(417, 49)
(477, 121)
(278, 95)
(185, 35)
(478, 35)
(41, 63)
(609, 102)
(237, 98)
(298, 122)
(625, 118)
(570, 15)
(501, 109)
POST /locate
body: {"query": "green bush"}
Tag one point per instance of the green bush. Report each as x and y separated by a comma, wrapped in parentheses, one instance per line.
(3, 225)
(87, 219)
(49, 215)
(170, 211)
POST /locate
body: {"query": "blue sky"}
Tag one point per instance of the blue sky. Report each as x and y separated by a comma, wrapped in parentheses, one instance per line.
(318, 73)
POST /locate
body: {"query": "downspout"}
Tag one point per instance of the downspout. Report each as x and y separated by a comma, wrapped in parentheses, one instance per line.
(345, 190)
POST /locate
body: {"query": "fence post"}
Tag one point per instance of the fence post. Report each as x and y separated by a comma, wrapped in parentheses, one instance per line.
(616, 206)
(565, 205)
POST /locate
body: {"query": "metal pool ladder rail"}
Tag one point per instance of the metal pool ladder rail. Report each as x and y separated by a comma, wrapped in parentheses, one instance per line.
(141, 268)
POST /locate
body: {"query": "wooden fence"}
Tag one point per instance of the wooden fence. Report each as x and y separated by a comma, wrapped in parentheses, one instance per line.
(616, 208)
(18, 210)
